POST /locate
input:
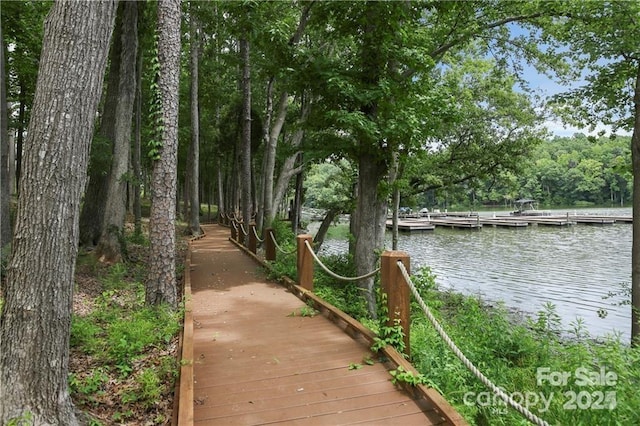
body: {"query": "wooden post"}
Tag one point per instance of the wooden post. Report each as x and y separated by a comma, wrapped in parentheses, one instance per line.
(234, 230)
(253, 241)
(397, 291)
(269, 245)
(305, 262)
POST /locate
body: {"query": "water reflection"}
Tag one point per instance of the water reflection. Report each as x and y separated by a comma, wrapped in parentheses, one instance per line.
(572, 267)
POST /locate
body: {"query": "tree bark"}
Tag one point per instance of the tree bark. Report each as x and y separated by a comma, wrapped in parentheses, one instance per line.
(36, 320)
(93, 206)
(245, 150)
(329, 217)
(222, 208)
(371, 213)
(289, 167)
(109, 247)
(137, 144)
(161, 284)
(5, 187)
(273, 134)
(21, 125)
(194, 160)
(297, 202)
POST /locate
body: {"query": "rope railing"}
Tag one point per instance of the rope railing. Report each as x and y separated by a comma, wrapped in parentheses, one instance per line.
(280, 249)
(333, 274)
(246, 234)
(260, 240)
(454, 348)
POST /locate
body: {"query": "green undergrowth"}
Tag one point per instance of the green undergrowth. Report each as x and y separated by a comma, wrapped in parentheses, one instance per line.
(124, 364)
(563, 376)
(343, 295)
(564, 379)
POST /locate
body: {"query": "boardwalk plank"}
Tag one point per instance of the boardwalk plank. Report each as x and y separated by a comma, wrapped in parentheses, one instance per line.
(256, 363)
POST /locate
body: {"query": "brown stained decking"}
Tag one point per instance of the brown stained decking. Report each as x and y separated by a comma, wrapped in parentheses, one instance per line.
(258, 361)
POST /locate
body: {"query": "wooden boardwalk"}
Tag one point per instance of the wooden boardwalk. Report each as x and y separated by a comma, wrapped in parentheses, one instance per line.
(258, 359)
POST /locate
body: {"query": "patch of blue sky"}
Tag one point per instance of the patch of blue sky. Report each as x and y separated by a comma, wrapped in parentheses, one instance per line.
(545, 86)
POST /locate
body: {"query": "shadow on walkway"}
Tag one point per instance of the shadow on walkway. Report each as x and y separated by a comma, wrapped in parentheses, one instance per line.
(259, 360)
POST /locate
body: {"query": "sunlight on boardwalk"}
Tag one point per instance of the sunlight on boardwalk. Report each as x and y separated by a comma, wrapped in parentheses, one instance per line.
(258, 361)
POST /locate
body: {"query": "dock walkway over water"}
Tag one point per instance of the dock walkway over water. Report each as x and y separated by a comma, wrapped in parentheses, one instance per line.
(255, 355)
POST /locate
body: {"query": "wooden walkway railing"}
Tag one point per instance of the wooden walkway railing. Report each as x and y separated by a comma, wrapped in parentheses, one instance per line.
(259, 355)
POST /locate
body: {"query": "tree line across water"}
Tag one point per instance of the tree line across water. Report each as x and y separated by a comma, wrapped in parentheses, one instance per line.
(578, 171)
(232, 102)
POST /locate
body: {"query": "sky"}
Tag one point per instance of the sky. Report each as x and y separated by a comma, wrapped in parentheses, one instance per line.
(546, 87)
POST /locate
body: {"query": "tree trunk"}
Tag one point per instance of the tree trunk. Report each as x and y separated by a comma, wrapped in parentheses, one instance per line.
(194, 160)
(93, 206)
(635, 250)
(109, 247)
(137, 144)
(161, 284)
(260, 220)
(36, 319)
(329, 217)
(289, 167)
(371, 213)
(270, 158)
(273, 134)
(20, 142)
(5, 187)
(297, 203)
(245, 150)
(222, 208)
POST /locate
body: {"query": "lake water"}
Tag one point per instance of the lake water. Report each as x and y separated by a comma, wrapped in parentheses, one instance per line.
(572, 267)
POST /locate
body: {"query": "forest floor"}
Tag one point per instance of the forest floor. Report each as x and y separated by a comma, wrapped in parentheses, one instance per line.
(134, 383)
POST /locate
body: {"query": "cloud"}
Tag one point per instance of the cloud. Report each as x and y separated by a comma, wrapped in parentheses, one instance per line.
(557, 128)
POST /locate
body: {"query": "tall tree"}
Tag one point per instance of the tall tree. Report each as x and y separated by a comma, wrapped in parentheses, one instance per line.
(377, 96)
(245, 141)
(5, 189)
(36, 317)
(275, 118)
(94, 205)
(194, 158)
(161, 284)
(109, 247)
(21, 61)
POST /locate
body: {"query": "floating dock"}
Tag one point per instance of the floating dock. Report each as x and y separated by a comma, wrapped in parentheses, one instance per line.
(458, 223)
(412, 225)
(472, 221)
(502, 222)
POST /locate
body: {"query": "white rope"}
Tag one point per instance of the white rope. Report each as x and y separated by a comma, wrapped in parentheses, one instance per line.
(333, 274)
(273, 238)
(243, 231)
(260, 240)
(506, 398)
